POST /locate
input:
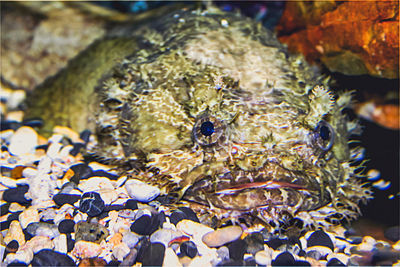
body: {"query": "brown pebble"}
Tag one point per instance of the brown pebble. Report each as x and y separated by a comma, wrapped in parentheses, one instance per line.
(92, 262)
(222, 236)
(16, 173)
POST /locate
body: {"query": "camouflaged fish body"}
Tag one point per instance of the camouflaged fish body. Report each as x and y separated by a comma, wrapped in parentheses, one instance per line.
(214, 111)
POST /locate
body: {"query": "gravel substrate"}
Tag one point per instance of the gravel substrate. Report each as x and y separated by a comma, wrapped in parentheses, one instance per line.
(58, 210)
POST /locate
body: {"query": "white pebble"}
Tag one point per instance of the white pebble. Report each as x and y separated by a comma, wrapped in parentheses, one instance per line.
(85, 249)
(24, 141)
(22, 255)
(262, 258)
(95, 183)
(171, 259)
(15, 233)
(60, 243)
(193, 228)
(120, 251)
(164, 236)
(28, 216)
(37, 243)
(130, 238)
(141, 191)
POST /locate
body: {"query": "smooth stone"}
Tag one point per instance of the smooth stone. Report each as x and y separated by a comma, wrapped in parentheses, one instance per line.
(189, 249)
(193, 228)
(164, 236)
(320, 238)
(191, 215)
(171, 259)
(15, 233)
(275, 243)
(61, 199)
(120, 251)
(60, 243)
(222, 236)
(177, 216)
(91, 203)
(12, 246)
(30, 215)
(43, 229)
(145, 225)
(86, 249)
(17, 195)
(335, 262)
(66, 226)
(38, 243)
(141, 191)
(129, 238)
(154, 255)
(92, 262)
(237, 249)
(284, 259)
(23, 141)
(94, 184)
(262, 258)
(131, 204)
(108, 195)
(129, 259)
(25, 256)
(92, 232)
(81, 171)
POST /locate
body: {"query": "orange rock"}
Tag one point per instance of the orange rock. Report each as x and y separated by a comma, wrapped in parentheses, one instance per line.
(355, 37)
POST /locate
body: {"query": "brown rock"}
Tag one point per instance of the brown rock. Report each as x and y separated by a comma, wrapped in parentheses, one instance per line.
(354, 37)
(222, 236)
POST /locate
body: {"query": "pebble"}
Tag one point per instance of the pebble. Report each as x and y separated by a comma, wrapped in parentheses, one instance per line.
(129, 238)
(189, 249)
(254, 243)
(23, 141)
(93, 262)
(120, 251)
(131, 204)
(393, 233)
(223, 253)
(61, 199)
(284, 259)
(17, 195)
(197, 230)
(93, 232)
(38, 243)
(237, 249)
(141, 191)
(222, 236)
(320, 238)
(154, 255)
(94, 184)
(28, 216)
(335, 262)
(145, 225)
(15, 233)
(164, 236)
(263, 258)
(12, 246)
(171, 259)
(80, 171)
(43, 229)
(91, 203)
(66, 226)
(86, 249)
(24, 256)
(47, 257)
(60, 243)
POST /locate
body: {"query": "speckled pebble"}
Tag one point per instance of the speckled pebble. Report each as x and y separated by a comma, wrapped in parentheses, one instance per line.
(141, 191)
(43, 229)
(92, 232)
(86, 249)
(23, 141)
(222, 236)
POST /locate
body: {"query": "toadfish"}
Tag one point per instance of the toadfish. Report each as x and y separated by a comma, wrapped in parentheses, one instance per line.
(211, 108)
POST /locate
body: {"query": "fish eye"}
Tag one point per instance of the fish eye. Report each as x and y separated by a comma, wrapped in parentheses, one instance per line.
(324, 135)
(207, 130)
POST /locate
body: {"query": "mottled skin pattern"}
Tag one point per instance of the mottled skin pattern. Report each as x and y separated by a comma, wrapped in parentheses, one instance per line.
(214, 111)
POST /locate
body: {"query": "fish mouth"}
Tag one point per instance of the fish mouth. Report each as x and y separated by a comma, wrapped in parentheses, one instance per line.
(248, 190)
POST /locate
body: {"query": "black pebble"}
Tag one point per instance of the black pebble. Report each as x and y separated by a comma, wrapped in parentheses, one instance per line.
(302, 263)
(177, 216)
(145, 225)
(335, 262)
(114, 207)
(66, 226)
(231, 262)
(61, 199)
(27, 235)
(17, 263)
(275, 243)
(70, 243)
(154, 255)
(131, 204)
(12, 246)
(81, 171)
(4, 225)
(101, 173)
(190, 215)
(237, 249)
(91, 203)
(47, 257)
(17, 195)
(320, 238)
(33, 122)
(189, 249)
(44, 147)
(284, 259)
(76, 149)
(85, 135)
(4, 209)
(6, 125)
(393, 233)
